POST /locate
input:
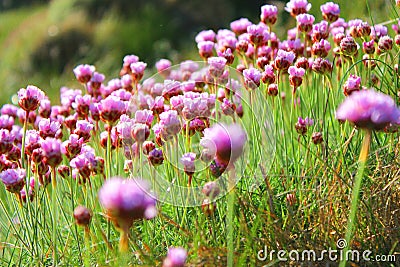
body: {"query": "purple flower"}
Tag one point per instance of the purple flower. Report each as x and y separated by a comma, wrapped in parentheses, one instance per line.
(82, 166)
(67, 96)
(216, 66)
(305, 22)
(83, 73)
(171, 88)
(352, 84)
(226, 140)
(156, 157)
(9, 110)
(83, 129)
(258, 34)
(96, 80)
(206, 48)
(29, 98)
(369, 109)
(211, 189)
(330, 11)
(269, 14)
(6, 122)
(170, 124)
(296, 7)
(137, 70)
(49, 128)
(320, 31)
(240, 26)
(176, 257)
(252, 77)
(52, 155)
(303, 124)
(13, 179)
(144, 116)
(284, 59)
(45, 108)
(188, 160)
(72, 146)
(6, 141)
(163, 65)
(111, 109)
(207, 35)
(378, 31)
(81, 105)
(126, 200)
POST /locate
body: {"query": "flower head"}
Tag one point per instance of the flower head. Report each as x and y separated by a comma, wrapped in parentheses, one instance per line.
(52, 151)
(29, 98)
(252, 77)
(369, 109)
(176, 257)
(111, 109)
(296, 7)
(330, 11)
(269, 14)
(83, 73)
(126, 200)
(13, 179)
(227, 141)
(305, 22)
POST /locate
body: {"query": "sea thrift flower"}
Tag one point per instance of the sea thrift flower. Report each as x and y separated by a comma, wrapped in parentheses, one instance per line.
(369, 109)
(252, 78)
(176, 257)
(352, 84)
(211, 189)
(268, 75)
(83, 73)
(216, 66)
(207, 35)
(156, 157)
(317, 138)
(72, 146)
(48, 128)
(6, 141)
(378, 31)
(82, 166)
(127, 61)
(126, 200)
(51, 151)
(227, 54)
(330, 11)
(81, 105)
(322, 66)
(137, 70)
(240, 26)
(320, 31)
(206, 49)
(171, 88)
(10, 110)
(13, 179)
(29, 98)
(321, 48)
(96, 81)
(348, 46)
(45, 108)
(303, 124)
(385, 44)
(283, 59)
(82, 216)
(111, 109)
(272, 89)
(296, 7)
(226, 140)
(83, 129)
(188, 160)
(258, 34)
(170, 124)
(269, 14)
(140, 132)
(295, 77)
(305, 22)
(163, 65)
(369, 47)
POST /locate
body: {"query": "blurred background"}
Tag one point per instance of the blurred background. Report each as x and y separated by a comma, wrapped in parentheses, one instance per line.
(41, 41)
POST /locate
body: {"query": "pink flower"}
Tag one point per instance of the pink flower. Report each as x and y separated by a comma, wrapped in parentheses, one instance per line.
(13, 179)
(126, 200)
(369, 109)
(29, 98)
(176, 257)
(296, 7)
(207, 35)
(226, 140)
(269, 14)
(111, 109)
(252, 78)
(51, 151)
(305, 22)
(330, 11)
(240, 26)
(83, 73)
(352, 84)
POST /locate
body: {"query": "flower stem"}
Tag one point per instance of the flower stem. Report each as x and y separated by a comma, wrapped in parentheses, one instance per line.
(54, 216)
(356, 193)
(23, 140)
(230, 223)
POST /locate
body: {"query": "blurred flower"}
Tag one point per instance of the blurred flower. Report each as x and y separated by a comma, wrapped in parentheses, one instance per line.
(226, 140)
(303, 124)
(176, 257)
(211, 189)
(82, 216)
(137, 70)
(6, 141)
(206, 35)
(126, 200)
(187, 161)
(163, 65)
(369, 109)
(216, 66)
(240, 26)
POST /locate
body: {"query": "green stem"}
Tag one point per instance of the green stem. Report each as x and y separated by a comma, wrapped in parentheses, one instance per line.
(23, 141)
(355, 194)
(54, 216)
(230, 223)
